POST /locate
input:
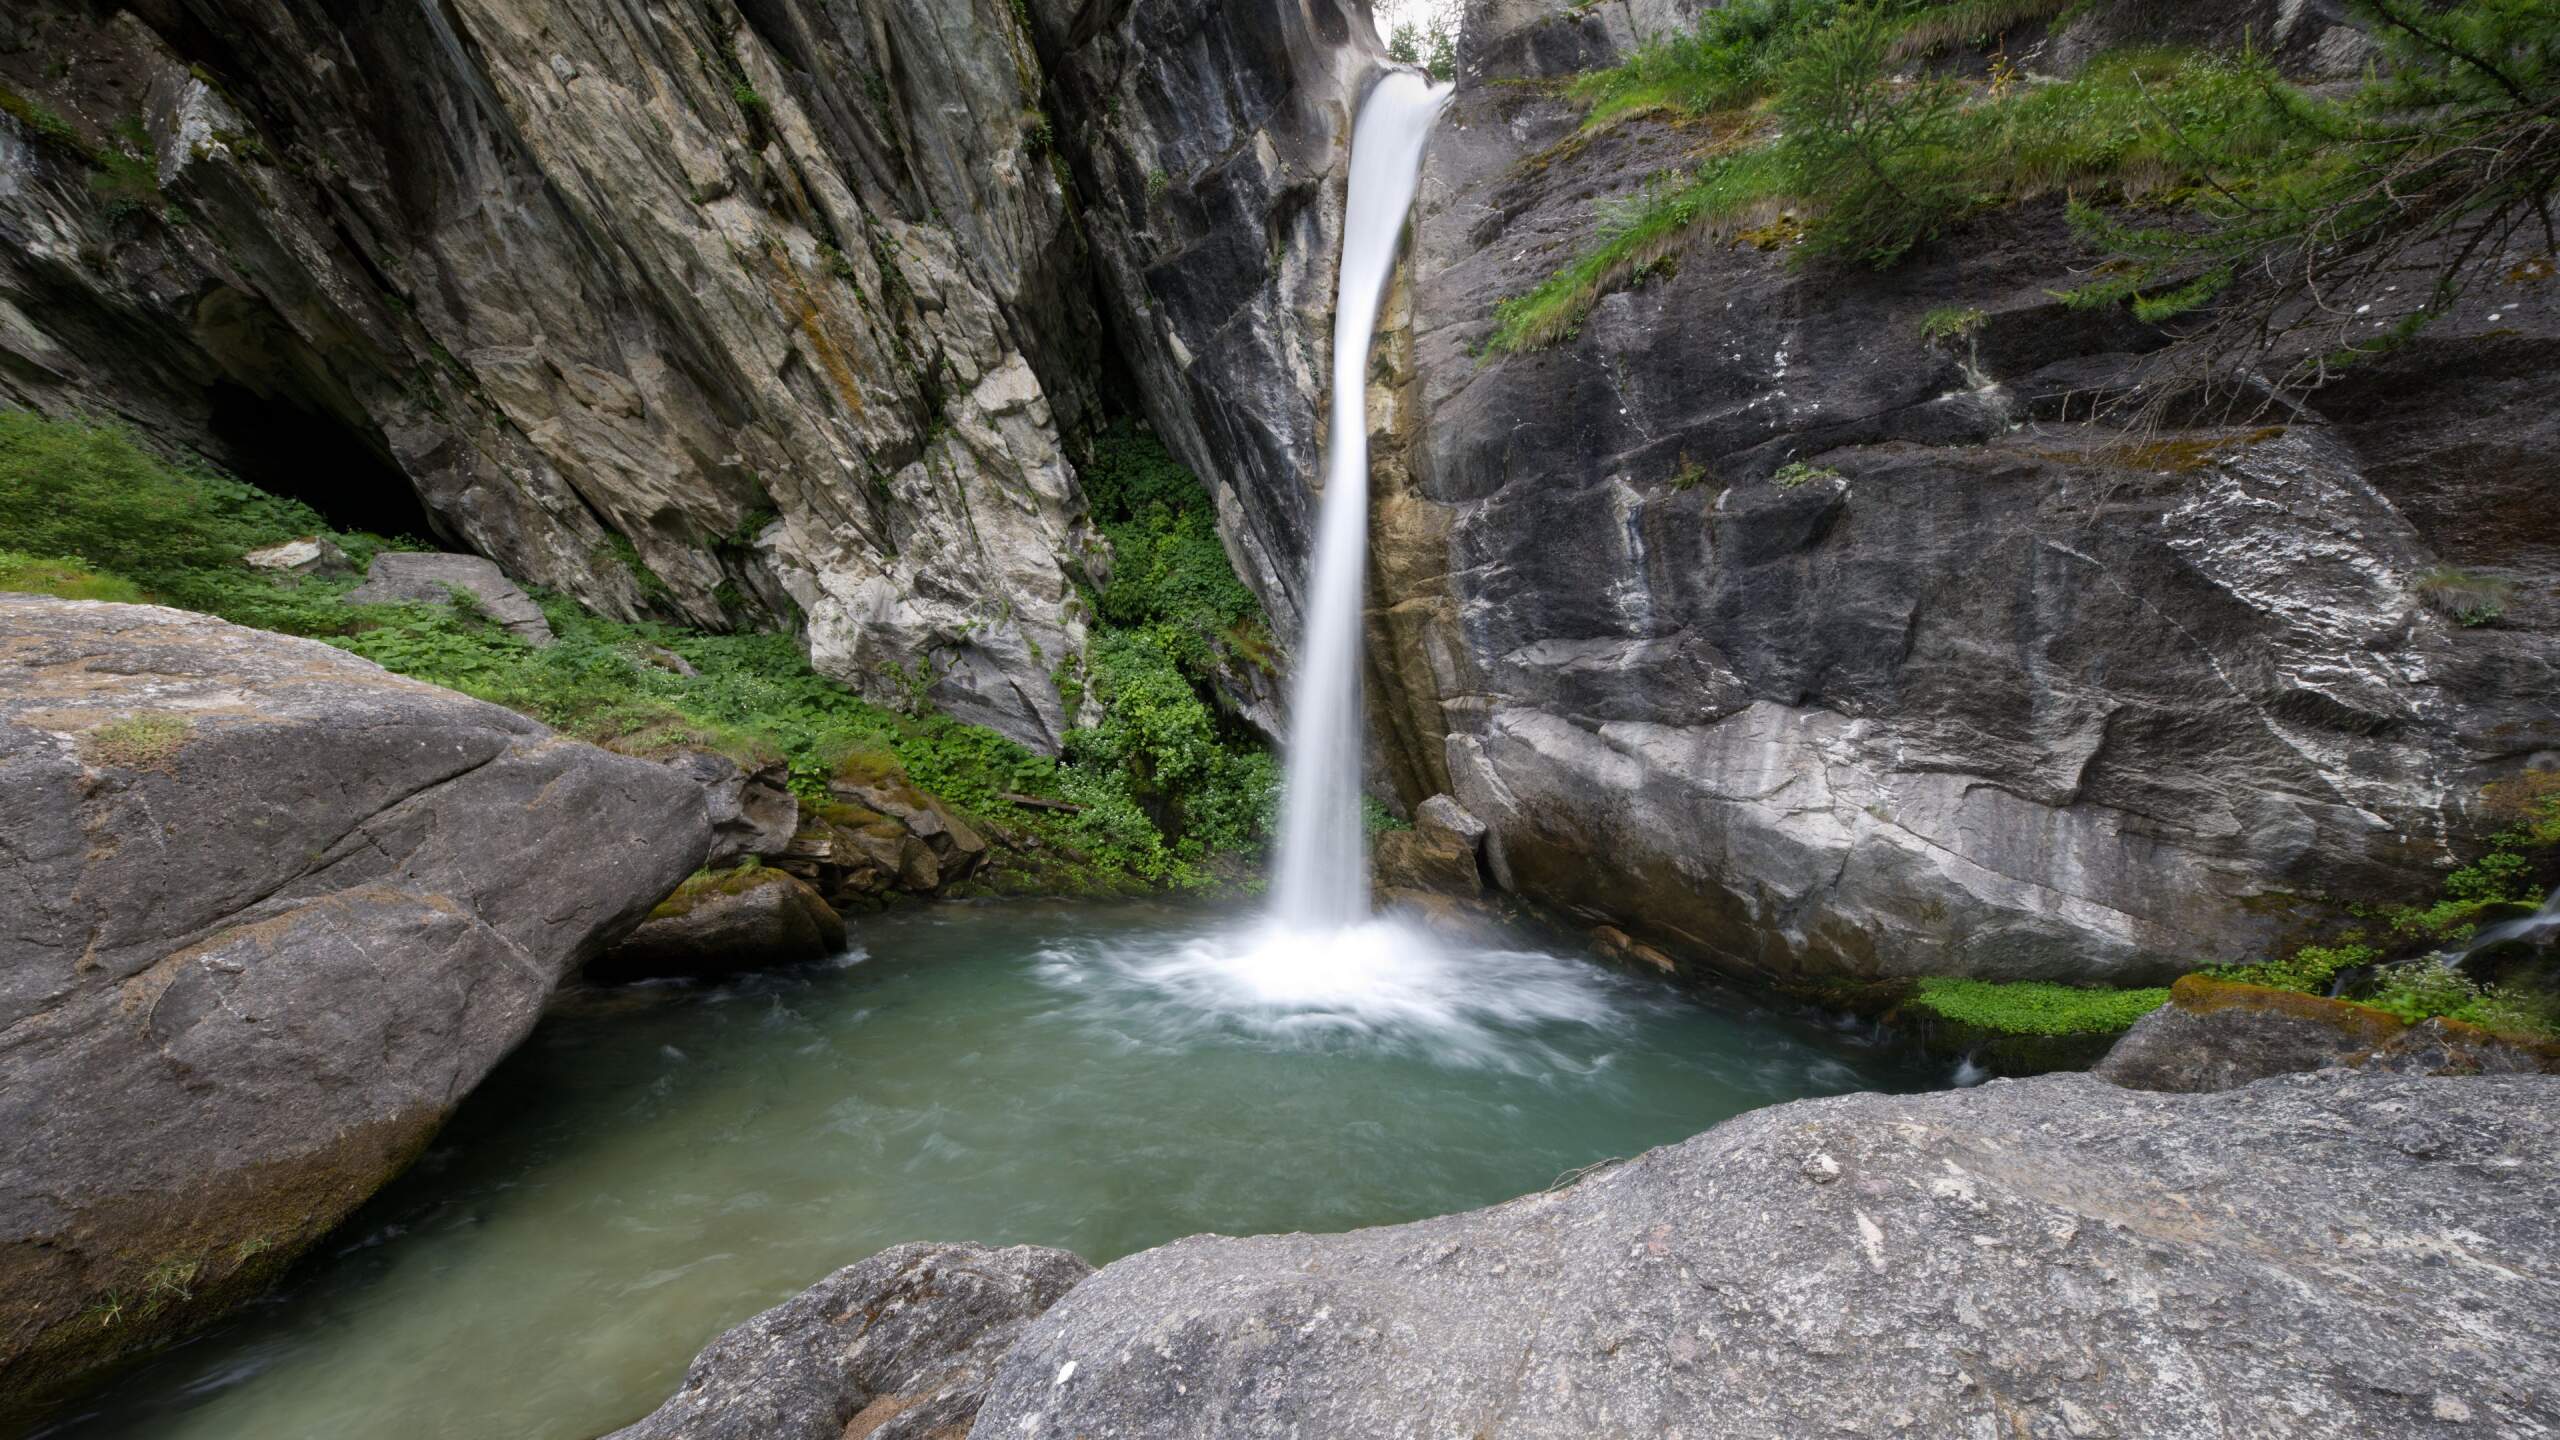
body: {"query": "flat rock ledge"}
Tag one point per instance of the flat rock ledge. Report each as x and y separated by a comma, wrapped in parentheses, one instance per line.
(899, 1347)
(2317, 1255)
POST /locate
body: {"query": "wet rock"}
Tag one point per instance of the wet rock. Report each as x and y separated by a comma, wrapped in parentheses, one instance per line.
(400, 577)
(899, 1347)
(2217, 1035)
(753, 812)
(727, 921)
(310, 555)
(2050, 1257)
(1426, 860)
(269, 913)
(879, 835)
(1446, 816)
(1209, 141)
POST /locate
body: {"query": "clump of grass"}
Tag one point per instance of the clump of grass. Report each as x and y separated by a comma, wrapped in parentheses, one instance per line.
(137, 742)
(63, 579)
(2469, 600)
(41, 122)
(2035, 1007)
(1725, 196)
(1796, 473)
(1970, 22)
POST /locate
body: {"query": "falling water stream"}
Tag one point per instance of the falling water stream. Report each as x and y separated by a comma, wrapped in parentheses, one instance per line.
(1323, 882)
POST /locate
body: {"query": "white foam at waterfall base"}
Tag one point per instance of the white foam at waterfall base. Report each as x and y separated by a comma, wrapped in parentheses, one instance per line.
(1323, 881)
(1385, 984)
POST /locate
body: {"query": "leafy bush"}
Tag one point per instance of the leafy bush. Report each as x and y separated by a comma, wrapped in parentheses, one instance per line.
(2311, 969)
(2035, 1007)
(2425, 989)
(1173, 613)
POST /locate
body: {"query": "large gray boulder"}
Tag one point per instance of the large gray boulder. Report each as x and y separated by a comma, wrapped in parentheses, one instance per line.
(899, 1347)
(2314, 1256)
(400, 577)
(267, 913)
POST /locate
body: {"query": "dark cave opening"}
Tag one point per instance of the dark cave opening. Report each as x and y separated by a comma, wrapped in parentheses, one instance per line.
(289, 449)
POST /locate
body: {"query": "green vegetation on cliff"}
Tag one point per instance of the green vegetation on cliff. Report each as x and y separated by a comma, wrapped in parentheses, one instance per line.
(1164, 783)
(1840, 135)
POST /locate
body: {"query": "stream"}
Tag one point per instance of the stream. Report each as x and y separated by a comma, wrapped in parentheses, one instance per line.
(658, 1162)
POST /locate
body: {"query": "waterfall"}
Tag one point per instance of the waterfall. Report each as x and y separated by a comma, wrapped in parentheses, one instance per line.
(1324, 872)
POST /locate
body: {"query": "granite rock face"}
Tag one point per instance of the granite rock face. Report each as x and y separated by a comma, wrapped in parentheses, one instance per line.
(1974, 690)
(735, 313)
(269, 912)
(899, 1347)
(1210, 149)
(2053, 1257)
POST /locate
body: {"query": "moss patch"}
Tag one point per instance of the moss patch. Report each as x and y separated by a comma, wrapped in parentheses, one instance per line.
(706, 885)
(137, 742)
(2035, 1007)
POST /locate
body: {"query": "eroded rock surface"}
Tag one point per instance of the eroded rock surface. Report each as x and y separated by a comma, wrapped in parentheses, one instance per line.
(1973, 691)
(268, 913)
(740, 313)
(899, 1347)
(2319, 1255)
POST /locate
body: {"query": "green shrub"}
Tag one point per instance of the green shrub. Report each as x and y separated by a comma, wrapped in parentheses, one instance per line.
(2426, 989)
(2311, 969)
(2035, 1007)
(1877, 164)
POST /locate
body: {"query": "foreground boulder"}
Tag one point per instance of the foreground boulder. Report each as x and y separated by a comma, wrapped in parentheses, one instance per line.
(267, 913)
(899, 1347)
(2216, 1035)
(726, 921)
(2319, 1255)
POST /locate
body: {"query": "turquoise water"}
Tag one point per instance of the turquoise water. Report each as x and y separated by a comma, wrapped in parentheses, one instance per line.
(661, 1161)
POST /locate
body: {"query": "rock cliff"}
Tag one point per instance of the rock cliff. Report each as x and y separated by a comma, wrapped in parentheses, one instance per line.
(739, 312)
(268, 913)
(1970, 689)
